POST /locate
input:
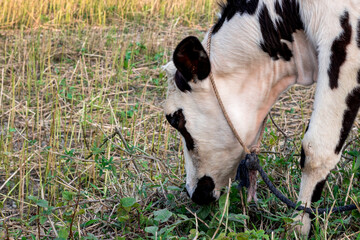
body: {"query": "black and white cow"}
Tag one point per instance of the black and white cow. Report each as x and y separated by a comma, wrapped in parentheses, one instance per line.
(259, 48)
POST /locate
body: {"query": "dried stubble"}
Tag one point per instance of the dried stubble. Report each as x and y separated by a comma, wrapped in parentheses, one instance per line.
(55, 13)
(63, 92)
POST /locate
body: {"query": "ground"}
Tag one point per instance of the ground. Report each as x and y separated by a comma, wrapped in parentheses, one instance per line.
(86, 153)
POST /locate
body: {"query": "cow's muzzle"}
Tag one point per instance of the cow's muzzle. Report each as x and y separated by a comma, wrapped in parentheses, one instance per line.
(204, 192)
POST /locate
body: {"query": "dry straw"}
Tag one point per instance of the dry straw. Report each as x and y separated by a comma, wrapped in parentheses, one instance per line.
(34, 13)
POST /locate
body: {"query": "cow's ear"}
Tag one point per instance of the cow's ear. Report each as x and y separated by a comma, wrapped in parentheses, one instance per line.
(305, 57)
(190, 58)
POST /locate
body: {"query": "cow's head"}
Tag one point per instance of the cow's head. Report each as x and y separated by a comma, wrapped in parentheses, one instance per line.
(249, 82)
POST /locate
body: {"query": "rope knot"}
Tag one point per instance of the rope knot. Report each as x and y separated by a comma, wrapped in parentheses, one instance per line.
(255, 149)
(250, 163)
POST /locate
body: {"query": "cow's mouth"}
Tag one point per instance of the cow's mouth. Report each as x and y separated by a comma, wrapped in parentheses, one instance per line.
(204, 192)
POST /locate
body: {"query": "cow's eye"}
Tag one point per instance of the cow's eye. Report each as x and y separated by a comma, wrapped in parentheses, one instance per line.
(175, 119)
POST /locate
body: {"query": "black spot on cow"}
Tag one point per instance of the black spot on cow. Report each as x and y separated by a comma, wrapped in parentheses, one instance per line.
(191, 61)
(302, 157)
(318, 190)
(338, 50)
(203, 193)
(271, 38)
(302, 154)
(316, 195)
(181, 82)
(358, 34)
(231, 7)
(358, 44)
(177, 120)
(353, 104)
(291, 20)
(273, 33)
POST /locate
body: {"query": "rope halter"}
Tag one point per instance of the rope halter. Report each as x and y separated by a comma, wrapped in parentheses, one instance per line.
(255, 148)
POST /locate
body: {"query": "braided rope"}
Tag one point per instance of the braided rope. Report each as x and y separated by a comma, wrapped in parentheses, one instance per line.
(291, 204)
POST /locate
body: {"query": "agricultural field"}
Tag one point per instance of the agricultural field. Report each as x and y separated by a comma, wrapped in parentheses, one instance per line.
(85, 149)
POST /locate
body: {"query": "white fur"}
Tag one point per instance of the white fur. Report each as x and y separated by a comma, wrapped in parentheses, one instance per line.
(249, 83)
(322, 25)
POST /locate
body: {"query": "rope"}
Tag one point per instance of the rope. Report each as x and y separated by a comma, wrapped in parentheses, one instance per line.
(246, 149)
(253, 163)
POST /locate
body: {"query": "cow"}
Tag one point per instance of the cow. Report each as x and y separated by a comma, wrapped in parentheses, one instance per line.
(259, 48)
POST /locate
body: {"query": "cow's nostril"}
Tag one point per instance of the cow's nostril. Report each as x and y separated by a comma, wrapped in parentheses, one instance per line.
(204, 192)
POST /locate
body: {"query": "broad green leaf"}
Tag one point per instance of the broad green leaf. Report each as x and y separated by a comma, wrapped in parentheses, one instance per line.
(192, 234)
(122, 211)
(137, 206)
(174, 188)
(152, 229)
(183, 216)
(237, 217)
(123, 218)
(42, 220)
(357, 164)
(68, 196)
(162, 215)
(42, 203)
(33, 218)
(222, 201)
(222, 236)
(204, 211)
(80, 212)
(127, 202)
(88, 223)
(288, 220)
(33, 198)
(63, 233)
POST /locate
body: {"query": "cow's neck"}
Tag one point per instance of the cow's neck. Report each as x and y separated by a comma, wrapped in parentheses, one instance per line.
(254, 85)
(249, 77)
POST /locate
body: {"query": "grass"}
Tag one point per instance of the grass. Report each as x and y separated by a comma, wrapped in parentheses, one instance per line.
(85, 151)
